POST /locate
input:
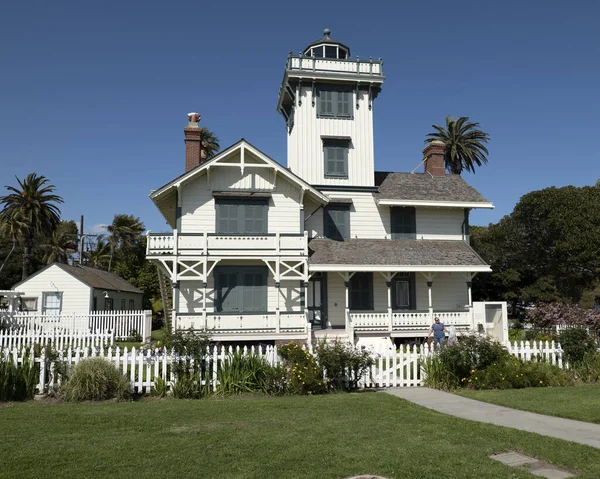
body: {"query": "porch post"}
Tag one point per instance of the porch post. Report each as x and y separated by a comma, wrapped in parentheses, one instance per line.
(277, 312)
(429, 285)
(469, 284)
(303, 308)
(389, 304)
(204, 316)
(347, 308)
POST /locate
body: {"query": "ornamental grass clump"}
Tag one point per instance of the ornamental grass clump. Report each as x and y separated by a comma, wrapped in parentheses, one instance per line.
(95, 379)
(301, 374)
(244, 373)
(17, 382)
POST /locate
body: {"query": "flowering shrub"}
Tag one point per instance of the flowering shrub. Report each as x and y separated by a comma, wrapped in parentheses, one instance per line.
(513, 373)
(551, 314)
(301, 373)
(344, 365)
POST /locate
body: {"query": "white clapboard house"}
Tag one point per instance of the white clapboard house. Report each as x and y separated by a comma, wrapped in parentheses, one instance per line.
(328, 245)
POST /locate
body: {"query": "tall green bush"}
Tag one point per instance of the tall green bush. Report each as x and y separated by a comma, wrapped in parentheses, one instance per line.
(576, 342)
(301, 373)
(344, 366)
(95, 379)
(243, 373)
(192, 351)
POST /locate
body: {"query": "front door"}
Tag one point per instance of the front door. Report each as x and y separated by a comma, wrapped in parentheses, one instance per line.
(316, 301)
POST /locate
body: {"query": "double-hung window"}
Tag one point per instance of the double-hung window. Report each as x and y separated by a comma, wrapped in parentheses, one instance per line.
(51, 303)
(335, 155)
(334, 103)
(337, 222)
(241, 215)
(361, 292)
(404, 226)
(241, 289)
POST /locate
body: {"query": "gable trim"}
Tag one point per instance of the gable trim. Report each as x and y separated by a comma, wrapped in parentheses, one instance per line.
(438, 204)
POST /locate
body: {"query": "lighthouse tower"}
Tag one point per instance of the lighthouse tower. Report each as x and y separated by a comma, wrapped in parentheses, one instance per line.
(326, 99)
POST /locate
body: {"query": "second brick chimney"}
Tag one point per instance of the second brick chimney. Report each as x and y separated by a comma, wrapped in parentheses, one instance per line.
(194, 152)
(434, 158)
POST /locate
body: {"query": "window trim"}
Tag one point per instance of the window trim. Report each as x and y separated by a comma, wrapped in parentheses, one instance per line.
(45, 294)
(241, 218)
(327, 221)
(341, 143)
(335, 90)
(368, 289)
(394, 210)
(240, 270)
(35, 307)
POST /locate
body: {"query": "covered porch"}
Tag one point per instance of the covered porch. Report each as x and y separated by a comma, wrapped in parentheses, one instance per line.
(391, 288)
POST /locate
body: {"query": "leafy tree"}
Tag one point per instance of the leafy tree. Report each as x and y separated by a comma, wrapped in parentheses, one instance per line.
(60, 246)
(464, 144)
(124, 231)
(210, 143)
(11, 228)
(546, 250)
(34, 205)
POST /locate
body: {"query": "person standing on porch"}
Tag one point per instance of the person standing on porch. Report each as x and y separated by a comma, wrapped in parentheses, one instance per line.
(438, 330)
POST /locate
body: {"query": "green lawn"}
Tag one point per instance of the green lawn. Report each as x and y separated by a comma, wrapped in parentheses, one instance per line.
(157, 334)
(580, 402)
(332, 436)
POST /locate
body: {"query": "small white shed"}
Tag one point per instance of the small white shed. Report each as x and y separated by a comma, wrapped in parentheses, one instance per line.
(60, 288)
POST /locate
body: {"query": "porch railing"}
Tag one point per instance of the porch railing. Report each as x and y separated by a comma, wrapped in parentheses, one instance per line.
(232, 245)
(407, 320)
(247, 323)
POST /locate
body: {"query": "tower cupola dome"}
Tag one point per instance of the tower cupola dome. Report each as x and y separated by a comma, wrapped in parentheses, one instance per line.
(327, 47)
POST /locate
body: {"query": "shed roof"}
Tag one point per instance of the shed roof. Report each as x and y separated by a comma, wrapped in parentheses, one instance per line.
(383, 252)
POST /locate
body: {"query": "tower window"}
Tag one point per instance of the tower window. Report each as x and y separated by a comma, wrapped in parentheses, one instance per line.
(334, 103)
(336, 224)
(335, 154)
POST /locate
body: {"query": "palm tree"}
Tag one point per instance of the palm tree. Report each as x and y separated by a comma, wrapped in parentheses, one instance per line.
(61, 244)
(99, 256)
(34, 206)
(464, 144)
(210, 143)
(11, 227)
(124, 231)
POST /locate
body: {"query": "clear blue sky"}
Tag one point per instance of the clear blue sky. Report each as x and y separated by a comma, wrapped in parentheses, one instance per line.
(94, 95)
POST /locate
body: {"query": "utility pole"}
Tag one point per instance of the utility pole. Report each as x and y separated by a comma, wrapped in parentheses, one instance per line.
(81, 240)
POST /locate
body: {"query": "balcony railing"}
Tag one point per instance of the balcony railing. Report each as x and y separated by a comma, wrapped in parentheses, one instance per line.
(412, 321)
(206, 244)
(332, 65)
(272, 323)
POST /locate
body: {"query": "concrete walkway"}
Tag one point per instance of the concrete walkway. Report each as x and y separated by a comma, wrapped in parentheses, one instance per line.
(567, 429)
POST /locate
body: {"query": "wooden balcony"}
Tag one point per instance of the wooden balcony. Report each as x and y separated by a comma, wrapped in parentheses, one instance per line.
(220, 245)
(409, 323)
(367, 68)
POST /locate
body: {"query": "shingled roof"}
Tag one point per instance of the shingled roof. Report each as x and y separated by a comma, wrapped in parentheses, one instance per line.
(382, 252)
(424, 187)
(96, 278)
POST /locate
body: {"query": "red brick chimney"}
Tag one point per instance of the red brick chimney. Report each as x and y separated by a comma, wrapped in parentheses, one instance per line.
(194, 152)
(434, 158)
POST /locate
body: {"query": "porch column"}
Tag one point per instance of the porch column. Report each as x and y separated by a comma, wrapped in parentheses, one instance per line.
(347, 308)
(303, 307)
(429, 285)
(277, 312)
(469, 284)
(204, 316)
(389, 304)
(175, 286)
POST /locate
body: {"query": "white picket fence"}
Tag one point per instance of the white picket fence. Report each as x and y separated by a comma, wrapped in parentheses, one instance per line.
(121, 323)
(59, 339)
(547, 351)
(400, 368)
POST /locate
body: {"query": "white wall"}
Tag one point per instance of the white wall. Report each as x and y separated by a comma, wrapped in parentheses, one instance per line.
(198, 205)
(449, 292)
(76, 295)
(117, 296)
(439, 223)
(305, 146)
